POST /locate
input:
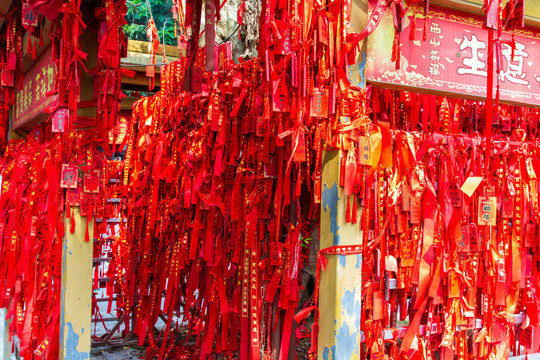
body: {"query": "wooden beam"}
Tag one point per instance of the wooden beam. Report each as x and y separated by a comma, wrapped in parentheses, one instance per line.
(138, 57)
(127, 102)
(4, 8)
(140, 78)
(142, 47)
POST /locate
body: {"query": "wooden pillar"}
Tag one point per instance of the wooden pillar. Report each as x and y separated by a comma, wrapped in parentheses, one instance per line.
(340, 298)
(76, 308)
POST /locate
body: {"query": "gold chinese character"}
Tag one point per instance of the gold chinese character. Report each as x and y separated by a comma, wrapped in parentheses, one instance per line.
(30, 93)
(39, 86)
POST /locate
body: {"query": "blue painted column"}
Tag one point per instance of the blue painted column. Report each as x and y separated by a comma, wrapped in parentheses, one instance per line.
(6, 344)
(340, 297)
(76, 307)
(340, 286)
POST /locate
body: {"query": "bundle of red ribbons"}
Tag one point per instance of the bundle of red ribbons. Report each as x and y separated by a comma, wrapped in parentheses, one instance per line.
(40, 176)
(460, 239)
(221, 197)
(36, 212)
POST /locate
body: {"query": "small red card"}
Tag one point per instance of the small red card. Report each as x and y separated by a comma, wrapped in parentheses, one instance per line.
(392, 224)
(528, 266)
(455, 194)
(501, 271)
(33, 227)
(526, 337)
(74, 197)
(319, 103)
(473, 238)
(270, 170)
(69, 177)
(453, 285)
(401, 223)
(317, 192)
(88, 203)
(530, 235)
(487, 210)
(364, 150)
(150, 70)
(406, 197)
(416, 210)
(275, 254)
(8, 77)
(91, 181)
(464, 244)
(506, 124)
(29, 15)
(280, 98)
(369, 298)
(508, 207)
(285, 42)
(59, 120)
(378, 305)
(300, 152)
(196, 79)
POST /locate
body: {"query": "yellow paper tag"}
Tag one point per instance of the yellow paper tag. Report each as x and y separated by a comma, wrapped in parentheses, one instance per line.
(364, 149)
(471, 184)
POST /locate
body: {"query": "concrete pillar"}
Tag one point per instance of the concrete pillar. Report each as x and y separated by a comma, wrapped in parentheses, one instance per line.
(340, 284)
(77, 257)
(76, 306)
(340, 298)
(6, 344)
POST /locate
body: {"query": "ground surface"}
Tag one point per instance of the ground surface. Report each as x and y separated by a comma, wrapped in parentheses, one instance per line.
(120, 354)
(105, 353)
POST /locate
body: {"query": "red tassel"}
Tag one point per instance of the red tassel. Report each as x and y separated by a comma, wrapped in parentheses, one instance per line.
(348, 211)
(34, 53)
(279, 141)
(412, 33)
(513, 46)
(87, 235)
(29, 45)
(396, 51)
(394, 48)
(41, 43)
(354, 211)
(72, 224)
(426, 11)
(68, 209)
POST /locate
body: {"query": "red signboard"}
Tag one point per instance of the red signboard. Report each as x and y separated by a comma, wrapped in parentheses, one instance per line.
(453, 58)
(32, 99)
